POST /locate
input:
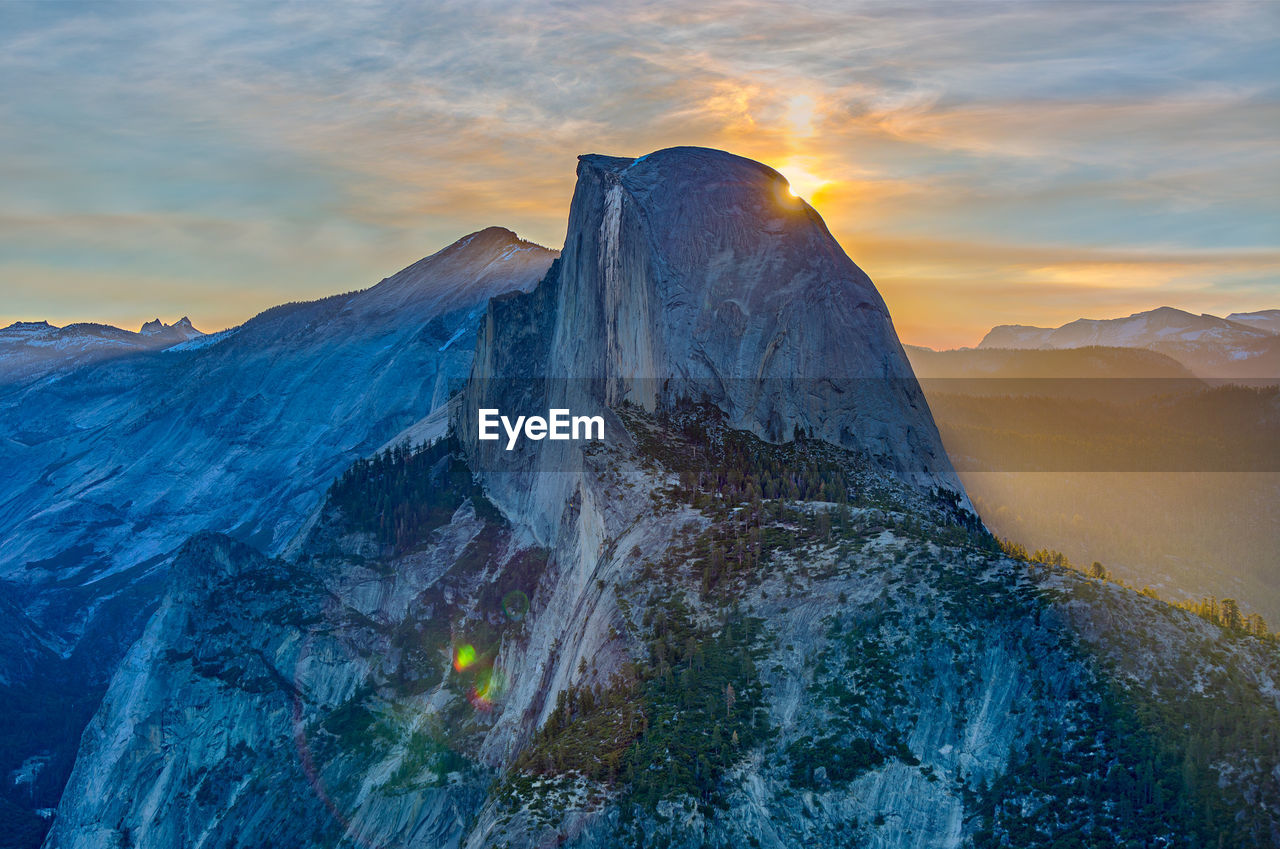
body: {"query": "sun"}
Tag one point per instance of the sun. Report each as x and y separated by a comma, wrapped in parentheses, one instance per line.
(801, 181)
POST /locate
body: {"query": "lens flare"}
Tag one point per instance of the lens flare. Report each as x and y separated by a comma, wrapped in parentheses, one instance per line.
(488, 689)
(802, 183)
(464, 655)
(802, 178)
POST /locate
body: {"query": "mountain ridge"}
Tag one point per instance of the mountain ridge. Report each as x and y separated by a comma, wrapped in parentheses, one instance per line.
(1213, 348)
(1161, 324)
(111, 466)
(1264, 319)
(30, 350)
(432, 288)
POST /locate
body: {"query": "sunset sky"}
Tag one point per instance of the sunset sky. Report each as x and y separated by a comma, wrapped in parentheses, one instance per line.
(986, 163)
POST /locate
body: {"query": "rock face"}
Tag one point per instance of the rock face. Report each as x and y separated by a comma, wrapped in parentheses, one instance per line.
(698, 631)
(244, 715)
(694, 273)
(108, 468)
(865, 679)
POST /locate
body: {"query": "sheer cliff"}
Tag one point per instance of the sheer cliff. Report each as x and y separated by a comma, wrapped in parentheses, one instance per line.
(693, 273)
(758, 612)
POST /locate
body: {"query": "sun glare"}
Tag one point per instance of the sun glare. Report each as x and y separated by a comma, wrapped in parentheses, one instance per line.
(802, 182)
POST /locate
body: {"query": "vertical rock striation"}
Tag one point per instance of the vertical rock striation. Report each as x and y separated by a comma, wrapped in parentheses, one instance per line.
(693, 273)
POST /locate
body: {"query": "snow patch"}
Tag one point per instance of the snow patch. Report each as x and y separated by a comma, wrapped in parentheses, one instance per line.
(461, 331)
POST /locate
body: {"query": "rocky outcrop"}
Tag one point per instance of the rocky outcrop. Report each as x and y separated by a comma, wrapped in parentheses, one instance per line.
(238, 718)
(693, 273)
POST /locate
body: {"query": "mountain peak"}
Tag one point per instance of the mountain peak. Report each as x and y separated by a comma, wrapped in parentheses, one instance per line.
(481, 264)
(485, 239)
(699, 162)
(181, 329)
(497, 232)
(693, 273)
(31, 325)
(483, 246)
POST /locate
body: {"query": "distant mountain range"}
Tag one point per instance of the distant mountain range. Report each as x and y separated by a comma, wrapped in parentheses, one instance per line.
(1242, 346)
(33, 349)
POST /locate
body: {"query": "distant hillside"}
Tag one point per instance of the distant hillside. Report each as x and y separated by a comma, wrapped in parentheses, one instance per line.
(1209, 346)
(1263, 319)
(1092, 361)
(1140, 330)
(1091, 372)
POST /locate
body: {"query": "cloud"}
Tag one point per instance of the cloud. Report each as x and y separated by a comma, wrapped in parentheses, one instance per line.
(284, 145)
(949, 293)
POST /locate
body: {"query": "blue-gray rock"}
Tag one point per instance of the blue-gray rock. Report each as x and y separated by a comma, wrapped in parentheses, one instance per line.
(693, 273)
